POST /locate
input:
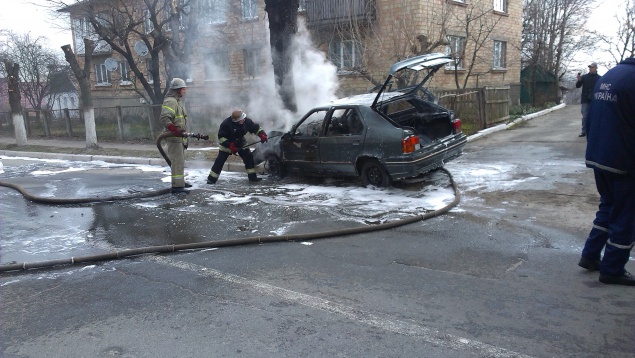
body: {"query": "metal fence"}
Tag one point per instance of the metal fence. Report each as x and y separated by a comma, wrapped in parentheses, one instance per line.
(132, 123)
(477, 108)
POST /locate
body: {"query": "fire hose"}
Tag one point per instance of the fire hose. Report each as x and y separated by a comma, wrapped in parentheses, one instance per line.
(169, 134)
(210, 244)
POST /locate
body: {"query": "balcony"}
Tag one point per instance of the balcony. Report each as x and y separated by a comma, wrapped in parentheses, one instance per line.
(331, 12)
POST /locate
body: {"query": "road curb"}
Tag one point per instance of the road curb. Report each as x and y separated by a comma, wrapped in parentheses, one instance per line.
(500, 127)
(229, 166)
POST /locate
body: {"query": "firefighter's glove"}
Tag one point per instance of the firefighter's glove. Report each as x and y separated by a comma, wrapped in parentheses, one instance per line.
(263, 136)
(178, 132)
(233, 148)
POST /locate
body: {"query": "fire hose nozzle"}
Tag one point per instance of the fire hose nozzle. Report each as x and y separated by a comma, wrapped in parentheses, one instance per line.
(198, 136)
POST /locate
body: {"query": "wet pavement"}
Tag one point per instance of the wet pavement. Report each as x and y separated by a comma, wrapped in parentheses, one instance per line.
(233, 208)
(494, 277)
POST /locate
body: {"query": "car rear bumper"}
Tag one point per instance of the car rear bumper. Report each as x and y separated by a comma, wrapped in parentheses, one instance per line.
(415, 164)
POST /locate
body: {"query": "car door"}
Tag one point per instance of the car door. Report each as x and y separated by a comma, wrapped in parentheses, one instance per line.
(343, 140)
(300, 148)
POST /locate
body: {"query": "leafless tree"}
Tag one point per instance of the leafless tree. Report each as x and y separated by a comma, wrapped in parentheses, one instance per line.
(15, 101)
(477, 24)
(155, 37)
(83, 78)
(621, 45)
(554, 32)
(38, 65)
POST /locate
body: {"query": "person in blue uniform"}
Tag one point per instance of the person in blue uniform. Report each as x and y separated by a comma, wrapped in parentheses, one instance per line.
(610, 153)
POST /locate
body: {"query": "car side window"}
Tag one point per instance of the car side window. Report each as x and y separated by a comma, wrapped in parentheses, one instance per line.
(312, 125)
(345, 121)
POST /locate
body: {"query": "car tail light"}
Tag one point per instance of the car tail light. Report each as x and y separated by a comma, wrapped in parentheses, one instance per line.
(410, 144)
(456, 124)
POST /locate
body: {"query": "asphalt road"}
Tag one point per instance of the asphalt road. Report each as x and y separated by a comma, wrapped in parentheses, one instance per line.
(496, 277)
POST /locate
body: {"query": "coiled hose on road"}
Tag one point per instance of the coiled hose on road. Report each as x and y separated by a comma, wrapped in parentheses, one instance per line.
(209, 244)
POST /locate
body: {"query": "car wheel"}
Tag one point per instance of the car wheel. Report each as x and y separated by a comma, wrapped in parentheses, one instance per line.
(373, 173)
(274, 166)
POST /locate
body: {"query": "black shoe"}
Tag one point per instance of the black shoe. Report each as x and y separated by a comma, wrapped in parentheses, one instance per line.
(180, 191)
(188, 185)
(254, 180)
(211, 180)
(591, 265)
(582, 135)
(626, 279)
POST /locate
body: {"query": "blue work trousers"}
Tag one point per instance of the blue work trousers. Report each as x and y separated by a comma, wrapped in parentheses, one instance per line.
(614, 224)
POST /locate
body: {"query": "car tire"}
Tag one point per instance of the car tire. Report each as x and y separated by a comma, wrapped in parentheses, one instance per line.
(373, 173)
(274, 167)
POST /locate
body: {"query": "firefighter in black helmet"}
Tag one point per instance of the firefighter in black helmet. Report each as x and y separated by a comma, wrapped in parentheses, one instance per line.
(231, 140)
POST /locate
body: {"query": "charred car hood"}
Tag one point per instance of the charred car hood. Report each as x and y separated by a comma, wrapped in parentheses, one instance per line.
(408, 72)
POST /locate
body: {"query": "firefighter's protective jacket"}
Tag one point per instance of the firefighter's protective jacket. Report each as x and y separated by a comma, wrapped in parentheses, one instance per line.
(230, 131)
(173, 111)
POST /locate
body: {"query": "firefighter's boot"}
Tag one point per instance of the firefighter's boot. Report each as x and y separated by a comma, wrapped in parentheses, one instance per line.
(253, 178)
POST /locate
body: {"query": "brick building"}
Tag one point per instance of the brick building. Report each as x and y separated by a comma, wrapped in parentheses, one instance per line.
(230, 58)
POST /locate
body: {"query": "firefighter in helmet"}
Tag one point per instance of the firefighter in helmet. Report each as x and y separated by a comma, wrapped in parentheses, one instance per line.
(231, 140)
(174, 119)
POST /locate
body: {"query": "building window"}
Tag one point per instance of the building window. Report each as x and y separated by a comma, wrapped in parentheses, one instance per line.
(81, 29)
(454, 48)
(345, 54)
(147, 22)
(500, 5)
(102, 75)
(217, 66)
(249, 9)
(124, 69)
(252, 62)
(500, 49)
(149, 69)
(216, 11)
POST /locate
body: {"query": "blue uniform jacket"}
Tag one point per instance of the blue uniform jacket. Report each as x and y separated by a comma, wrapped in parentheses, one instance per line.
(611, 126)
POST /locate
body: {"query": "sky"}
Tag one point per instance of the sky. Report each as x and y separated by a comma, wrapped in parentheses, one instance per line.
(33, 16)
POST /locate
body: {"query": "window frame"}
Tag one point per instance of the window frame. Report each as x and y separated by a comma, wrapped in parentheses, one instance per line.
(345, 58)
(251, 61)
(100, 68)
(246, 12)
(455, 48)
(148, 26)
(149, 76)
(500, 6)
(124, 71)
(499, 60)
(212, 7)
(214, 72)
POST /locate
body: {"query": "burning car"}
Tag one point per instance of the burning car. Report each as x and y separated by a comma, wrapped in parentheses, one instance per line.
(393, 135)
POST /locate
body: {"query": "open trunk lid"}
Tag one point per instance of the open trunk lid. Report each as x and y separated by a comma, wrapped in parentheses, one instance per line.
(407, 73)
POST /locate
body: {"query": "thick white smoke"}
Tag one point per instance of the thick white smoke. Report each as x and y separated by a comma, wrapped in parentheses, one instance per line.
(315, 81)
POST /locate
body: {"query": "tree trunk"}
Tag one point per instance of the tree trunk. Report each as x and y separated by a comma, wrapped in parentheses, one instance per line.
(15, 102)
(86, 99)
(283, 25)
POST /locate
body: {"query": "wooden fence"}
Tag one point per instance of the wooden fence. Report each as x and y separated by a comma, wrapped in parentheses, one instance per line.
(478, 108)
